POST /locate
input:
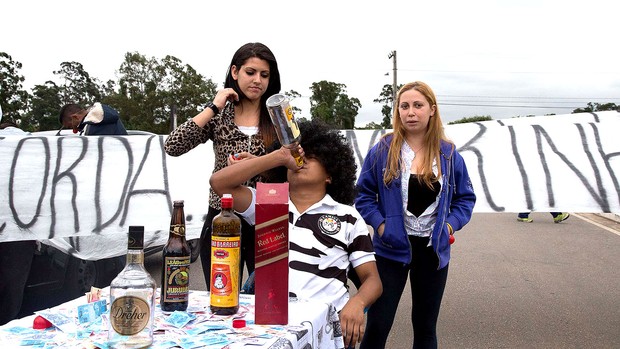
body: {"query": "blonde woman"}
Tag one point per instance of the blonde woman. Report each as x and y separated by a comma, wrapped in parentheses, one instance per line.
(415, 192)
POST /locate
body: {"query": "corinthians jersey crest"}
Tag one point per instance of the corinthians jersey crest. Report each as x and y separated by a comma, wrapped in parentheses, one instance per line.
(329, 224)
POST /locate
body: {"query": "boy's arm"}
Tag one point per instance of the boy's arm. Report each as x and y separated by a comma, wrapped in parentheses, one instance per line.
(230, 179)
(352, 315)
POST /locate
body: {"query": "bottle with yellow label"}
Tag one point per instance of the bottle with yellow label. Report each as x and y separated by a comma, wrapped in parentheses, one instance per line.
(132, 299)
(225, 259)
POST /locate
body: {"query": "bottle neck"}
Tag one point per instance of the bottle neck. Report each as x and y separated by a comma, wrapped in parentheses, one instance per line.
(135, 257)
(228, 211)
(177, 231)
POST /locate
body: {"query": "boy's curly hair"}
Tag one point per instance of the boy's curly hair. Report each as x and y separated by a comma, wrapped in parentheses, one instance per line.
(331, 148)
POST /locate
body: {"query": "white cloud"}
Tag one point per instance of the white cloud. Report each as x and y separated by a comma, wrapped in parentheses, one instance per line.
(562, 50)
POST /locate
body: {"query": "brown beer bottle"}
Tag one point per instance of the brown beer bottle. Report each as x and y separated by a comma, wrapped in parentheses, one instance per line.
(225, 259)
(176, 260)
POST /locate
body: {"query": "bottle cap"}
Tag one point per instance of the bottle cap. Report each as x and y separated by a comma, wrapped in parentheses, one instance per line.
(136, 237)
(41, 323)
(238, 323)
(227, 201)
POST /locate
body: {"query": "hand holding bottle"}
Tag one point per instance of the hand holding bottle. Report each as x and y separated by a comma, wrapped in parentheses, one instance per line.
(294, 157)
(287, 157)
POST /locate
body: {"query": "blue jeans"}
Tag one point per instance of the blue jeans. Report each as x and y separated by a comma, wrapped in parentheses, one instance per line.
(427, 287)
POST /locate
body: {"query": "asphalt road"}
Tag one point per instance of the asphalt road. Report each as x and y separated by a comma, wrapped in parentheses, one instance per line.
(519, 285)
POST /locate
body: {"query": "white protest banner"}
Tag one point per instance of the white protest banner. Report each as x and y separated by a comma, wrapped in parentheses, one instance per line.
(72, 186)
(547, 163)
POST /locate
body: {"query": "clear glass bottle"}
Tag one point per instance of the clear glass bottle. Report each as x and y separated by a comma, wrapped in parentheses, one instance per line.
(225, 260)
(132, 299)
(283, 121)
(176, 257)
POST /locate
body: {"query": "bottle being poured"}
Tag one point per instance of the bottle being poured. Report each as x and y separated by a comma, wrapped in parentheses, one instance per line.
(284, 122)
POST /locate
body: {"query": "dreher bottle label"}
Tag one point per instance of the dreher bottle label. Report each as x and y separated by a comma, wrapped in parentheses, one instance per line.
(129, 315)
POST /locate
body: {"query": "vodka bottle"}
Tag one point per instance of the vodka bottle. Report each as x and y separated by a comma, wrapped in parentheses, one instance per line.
(176, 257)
(132, 299)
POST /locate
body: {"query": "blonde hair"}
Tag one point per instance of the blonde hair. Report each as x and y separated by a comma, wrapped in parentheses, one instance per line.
(432, 139)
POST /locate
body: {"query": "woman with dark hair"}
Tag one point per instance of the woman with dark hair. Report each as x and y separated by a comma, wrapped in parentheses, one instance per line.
(237, 121)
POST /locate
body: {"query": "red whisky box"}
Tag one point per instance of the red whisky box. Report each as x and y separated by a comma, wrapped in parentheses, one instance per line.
(271, 246)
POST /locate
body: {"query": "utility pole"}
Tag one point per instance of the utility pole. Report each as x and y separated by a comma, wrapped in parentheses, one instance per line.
(173, 117)
(393, 56)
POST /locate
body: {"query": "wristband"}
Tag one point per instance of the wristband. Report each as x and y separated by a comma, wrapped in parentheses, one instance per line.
(450, 230)
(213, 107)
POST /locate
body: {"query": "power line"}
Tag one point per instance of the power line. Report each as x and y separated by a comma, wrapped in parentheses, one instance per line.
(528, 97)
(512, 100)
(537, 102)
(509, 101)
(506, 72)
(507, 106)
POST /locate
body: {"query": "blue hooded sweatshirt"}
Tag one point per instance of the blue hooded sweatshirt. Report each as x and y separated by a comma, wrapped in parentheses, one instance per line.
(378, 203)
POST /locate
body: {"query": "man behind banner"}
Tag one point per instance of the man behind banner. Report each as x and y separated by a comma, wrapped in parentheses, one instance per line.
(97, 120)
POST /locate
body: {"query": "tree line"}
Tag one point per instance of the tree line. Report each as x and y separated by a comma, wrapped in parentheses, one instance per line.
(149, 92)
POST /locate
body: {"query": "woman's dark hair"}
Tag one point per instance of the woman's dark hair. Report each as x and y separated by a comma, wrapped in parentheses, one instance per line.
(258, 50)
(330, 147)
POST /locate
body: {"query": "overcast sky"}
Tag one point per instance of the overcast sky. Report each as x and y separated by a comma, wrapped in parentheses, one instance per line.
(497, 58)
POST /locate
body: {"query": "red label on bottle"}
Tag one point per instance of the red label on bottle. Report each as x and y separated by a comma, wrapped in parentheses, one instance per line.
(225, 271)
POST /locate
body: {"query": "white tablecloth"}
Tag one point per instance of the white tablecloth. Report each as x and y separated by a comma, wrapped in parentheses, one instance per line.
(312, 325)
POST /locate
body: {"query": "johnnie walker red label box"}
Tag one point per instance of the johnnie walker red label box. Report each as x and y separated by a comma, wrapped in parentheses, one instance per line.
(271, 246)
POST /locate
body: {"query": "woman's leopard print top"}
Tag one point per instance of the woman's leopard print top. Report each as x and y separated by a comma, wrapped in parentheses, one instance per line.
(227, 139)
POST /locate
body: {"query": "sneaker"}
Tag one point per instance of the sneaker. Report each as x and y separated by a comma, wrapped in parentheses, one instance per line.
(561, 217)
(525, 220)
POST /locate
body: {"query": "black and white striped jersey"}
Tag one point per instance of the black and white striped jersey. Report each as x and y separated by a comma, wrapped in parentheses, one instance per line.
(324, 241)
